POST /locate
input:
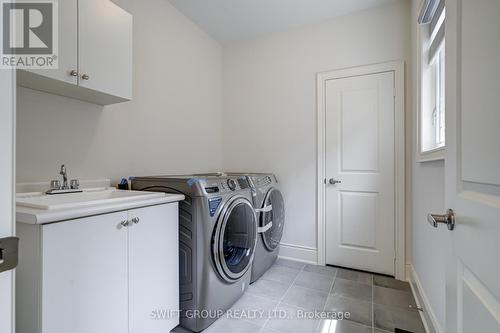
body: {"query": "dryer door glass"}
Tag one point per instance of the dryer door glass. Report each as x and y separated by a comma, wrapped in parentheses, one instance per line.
(276, 216)
(237, 239)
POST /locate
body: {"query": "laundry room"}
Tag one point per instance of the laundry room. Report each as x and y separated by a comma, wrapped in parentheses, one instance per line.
(249, 166)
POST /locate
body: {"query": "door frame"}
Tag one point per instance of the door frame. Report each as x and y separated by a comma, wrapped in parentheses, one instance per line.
(7, 181)
(399, 108)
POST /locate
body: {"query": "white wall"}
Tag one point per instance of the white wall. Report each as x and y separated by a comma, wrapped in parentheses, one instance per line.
(428, 258)
(271, 83)
(173, 125)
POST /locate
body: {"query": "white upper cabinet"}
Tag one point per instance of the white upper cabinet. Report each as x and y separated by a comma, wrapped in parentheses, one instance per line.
(67, 45)
(94, 54)
(105, 48)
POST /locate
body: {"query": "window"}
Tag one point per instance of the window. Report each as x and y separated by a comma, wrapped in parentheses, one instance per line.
(438, 116)
(431, 119)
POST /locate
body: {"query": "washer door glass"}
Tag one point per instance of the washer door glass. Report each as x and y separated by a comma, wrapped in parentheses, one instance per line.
(272, 237)
(237, 239)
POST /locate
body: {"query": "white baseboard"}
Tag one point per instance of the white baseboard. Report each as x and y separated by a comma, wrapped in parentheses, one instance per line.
(428, 317)
(299, 253)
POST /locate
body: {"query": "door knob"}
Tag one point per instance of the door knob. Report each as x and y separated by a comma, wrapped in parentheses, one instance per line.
(85, 77)
(73, 73)
(334, 181)
(448, 219)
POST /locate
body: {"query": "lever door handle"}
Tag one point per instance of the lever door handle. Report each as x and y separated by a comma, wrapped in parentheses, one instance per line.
(448, 219)
(9, 252)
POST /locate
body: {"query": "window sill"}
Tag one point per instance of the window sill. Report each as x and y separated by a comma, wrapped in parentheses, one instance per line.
(436, 154)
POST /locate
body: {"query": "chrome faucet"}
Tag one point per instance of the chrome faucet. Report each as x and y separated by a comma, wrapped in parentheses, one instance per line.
(65, 178)
(57, 188)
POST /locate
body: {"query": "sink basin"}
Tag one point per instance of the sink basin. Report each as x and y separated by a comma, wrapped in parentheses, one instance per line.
(89, 197)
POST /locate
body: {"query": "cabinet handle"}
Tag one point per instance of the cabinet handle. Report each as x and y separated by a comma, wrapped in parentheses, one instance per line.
(125, 223)
(85, 77)
(73, 73)
(135, 220)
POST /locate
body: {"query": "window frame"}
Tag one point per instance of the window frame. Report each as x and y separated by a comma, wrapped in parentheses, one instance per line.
(437, 153)
(440, 118)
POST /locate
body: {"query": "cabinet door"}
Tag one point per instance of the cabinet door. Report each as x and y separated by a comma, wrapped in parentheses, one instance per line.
(84, 282)
(154, 269)
(67, 44)
(105, 47)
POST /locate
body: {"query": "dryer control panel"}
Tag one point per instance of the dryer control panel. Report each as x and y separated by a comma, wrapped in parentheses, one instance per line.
(262, 181)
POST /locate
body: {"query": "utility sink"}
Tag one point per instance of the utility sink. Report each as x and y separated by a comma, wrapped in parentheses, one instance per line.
(89, 197)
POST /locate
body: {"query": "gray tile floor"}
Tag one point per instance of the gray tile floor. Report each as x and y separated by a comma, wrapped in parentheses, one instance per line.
(290, 289)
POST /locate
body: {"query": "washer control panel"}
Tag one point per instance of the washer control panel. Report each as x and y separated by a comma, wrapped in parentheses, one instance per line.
(213, 204)
(224, 184)
(231, 184)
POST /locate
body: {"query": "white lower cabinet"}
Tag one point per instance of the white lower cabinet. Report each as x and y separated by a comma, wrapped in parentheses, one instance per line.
(84, 275)
(96, 275)
(153, 254)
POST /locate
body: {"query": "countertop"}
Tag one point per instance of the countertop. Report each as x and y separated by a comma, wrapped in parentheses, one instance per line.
(40, 216)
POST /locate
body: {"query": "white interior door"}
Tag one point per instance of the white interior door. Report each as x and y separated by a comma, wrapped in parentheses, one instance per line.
(7, 121)
(473, 165)
(360, 153)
